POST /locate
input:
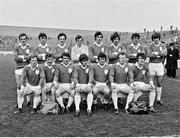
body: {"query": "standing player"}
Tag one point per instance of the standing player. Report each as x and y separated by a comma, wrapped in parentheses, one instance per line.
(22, 54)
(115, 48)
(134, 48)
(157, 52)
(63, 82)
(138, 74)
(61, 47)
(78, 49)
(99, 78)
(97, 47)
(119, 76)
(32, 81)
(42, 49)
(81, 79)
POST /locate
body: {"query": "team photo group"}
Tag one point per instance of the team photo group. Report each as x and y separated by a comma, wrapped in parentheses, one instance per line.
(47, 76)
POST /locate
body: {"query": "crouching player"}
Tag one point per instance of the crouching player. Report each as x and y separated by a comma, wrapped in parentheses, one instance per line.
(81, 79)
(118, 76)
(138, 73)
(63, 82)
(99, 78)
(32, 81)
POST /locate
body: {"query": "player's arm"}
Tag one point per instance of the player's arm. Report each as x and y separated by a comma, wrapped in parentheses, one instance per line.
(123, 49)
(152, 54)
(42, 77)
(91, 75)
(91, 56)
(130, 55)
(112, 55)
(17, 58)
(74, 54)
(75, 75)
(163, 53)
(131, 76)
(27, 57)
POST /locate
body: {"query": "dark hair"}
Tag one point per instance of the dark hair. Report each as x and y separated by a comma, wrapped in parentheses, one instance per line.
(61, 34)
(143, 55)
(49, 55)
(23, 34)
(33, 56)
(83, 57)
(78, 37)
(97, 34)
(42, 35)
(135, 35)
(155, 35)
(122, 53)
(102, 55)
(171, 44)
(114, 36)
(66, 54)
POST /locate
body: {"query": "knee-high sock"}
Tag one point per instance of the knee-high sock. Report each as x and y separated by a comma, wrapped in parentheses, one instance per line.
(89, 101)
(36, 101)
(152, 96)
(20, 99)
(129, 99)
(159, 91)
(77, 100)
(115, 99)
(137, 95)
(70, 101)
(60, 101)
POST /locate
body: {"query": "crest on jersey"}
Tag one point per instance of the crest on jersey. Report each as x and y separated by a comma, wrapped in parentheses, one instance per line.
(27, 51)
(160, 48)
(47, 49)
(66, 50)
(126, 69)
(143, 72)
(102, 49)
(37, 72)
(119, 49)
(53, 70)
(87, 70)
(105, 71)
(139, 51)
(70, 70)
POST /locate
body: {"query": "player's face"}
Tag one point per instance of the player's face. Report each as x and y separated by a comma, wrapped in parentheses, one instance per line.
(84, 63)
(141, 61)
(156, 40)
(65, 60)
(43, 40)
(79, 41)
(116, 41)
(23, 40)
(102, 61)
(135, 40)
(62, 40)
(99, 39)
(122, 59)
(50, 61)
(34, 62)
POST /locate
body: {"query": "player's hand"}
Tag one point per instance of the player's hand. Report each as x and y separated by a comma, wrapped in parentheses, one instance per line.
(95, 57)
(152, 84)
(132, 86)
(155, 53)
(56, 84)
(90, 85)
(22, 88)
(77, 84)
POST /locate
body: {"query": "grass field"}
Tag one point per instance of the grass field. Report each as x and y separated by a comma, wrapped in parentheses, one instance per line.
(166, 122)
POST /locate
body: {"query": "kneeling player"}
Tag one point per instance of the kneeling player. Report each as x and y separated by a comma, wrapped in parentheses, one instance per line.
(81, 78)
(118, 76)
(99, 77)
(138, 73)
(32, 80)
(63, 82)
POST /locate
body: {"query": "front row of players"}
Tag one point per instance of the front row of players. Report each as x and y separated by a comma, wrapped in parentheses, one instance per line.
(80, 80)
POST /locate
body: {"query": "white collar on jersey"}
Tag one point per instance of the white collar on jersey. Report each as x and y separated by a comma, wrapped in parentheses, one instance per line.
(136, 64)
(157, 45)
(78, 46)
(82, 66)
(95, 43)
(122, 66)
(102, 65)
(116, 47)
(32, 67)
(23, 47)
(43, 46)
(50, 67)
(62, 46)
(136, 47)
(65, 64)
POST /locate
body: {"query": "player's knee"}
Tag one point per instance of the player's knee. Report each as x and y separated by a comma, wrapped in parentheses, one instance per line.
(106, 91)
(159, 84)
(114, 91)
(37, 92)
(95, 91)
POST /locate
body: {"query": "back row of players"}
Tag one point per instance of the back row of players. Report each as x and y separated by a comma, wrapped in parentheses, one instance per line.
(98, 68)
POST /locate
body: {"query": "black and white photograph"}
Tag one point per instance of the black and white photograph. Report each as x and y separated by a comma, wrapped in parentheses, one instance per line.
(89, 68)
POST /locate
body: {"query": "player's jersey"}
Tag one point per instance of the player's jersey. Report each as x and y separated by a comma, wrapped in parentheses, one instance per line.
(41, 51)
(95, 49)
(22, 55)
(162, 52)
(132, 52)
(32, 76)
(81, 74)
(99, 73)
(119, 73)
(49, 72)
(59, 50)
(63, 73)
(139, 74)
(113, 53)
